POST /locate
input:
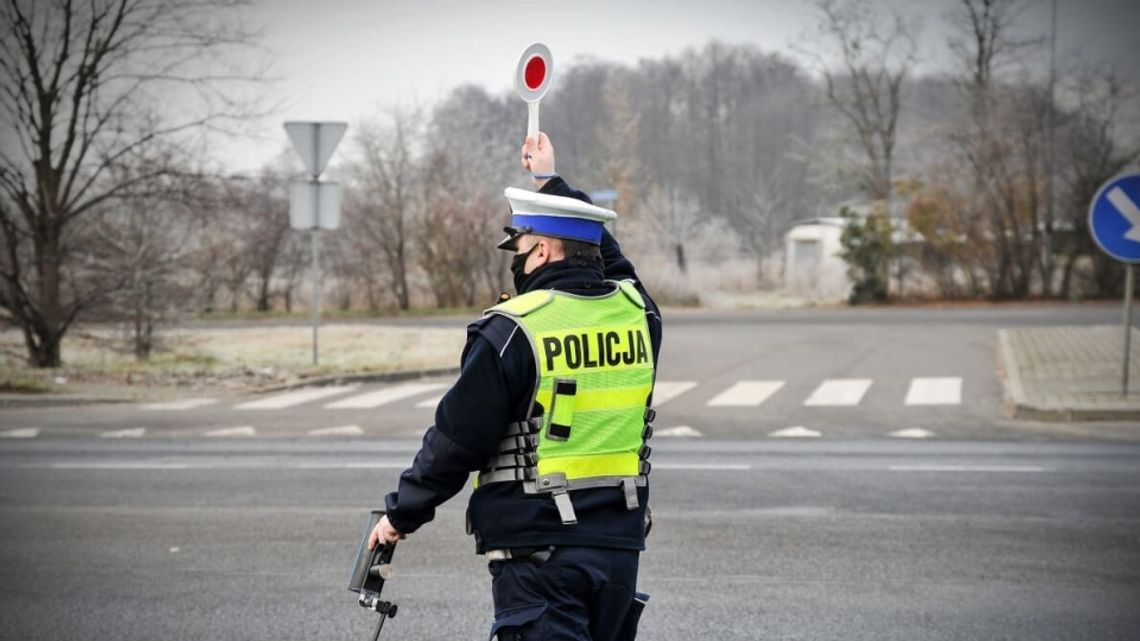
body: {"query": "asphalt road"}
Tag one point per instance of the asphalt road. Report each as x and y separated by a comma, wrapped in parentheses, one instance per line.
(864, 373)
(787, 503)
(252, 539)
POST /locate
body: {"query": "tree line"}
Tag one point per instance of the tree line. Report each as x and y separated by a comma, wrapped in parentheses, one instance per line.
(713, 154)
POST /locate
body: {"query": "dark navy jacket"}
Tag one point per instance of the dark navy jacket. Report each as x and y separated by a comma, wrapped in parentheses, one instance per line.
(495, 387)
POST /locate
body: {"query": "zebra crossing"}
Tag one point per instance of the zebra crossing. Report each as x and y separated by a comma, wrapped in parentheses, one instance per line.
(839, 392)
(342, 407)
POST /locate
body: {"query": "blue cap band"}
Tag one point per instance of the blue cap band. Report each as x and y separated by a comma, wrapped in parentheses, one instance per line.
(589, 231)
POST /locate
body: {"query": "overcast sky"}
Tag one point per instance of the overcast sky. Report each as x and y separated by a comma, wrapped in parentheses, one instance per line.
(341, 59)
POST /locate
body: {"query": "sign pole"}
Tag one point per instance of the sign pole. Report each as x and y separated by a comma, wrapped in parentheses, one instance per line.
(316, 244)
(1129, 285)
(315, 142)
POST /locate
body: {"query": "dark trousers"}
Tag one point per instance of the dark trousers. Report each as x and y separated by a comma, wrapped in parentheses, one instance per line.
(577, 594)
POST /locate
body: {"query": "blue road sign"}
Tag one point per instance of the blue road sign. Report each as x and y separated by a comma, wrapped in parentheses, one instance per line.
(1114, 218)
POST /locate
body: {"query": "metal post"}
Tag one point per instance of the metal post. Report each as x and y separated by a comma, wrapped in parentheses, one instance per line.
(316, 291)
(1128, 287)
(1050, 197)
(316, 302)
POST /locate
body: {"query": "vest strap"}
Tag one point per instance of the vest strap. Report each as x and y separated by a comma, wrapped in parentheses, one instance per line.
(525, 459)
(565, 507)
(508, 474)
(523, 428)
(518, 443)
(630, 489)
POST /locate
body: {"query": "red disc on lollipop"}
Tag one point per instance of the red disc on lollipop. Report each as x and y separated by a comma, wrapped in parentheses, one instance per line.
(535, 72)
(532, 76)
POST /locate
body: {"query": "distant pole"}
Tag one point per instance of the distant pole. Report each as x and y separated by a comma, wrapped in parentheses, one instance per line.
(1050, 197)
(316, 245)
(1129, 285)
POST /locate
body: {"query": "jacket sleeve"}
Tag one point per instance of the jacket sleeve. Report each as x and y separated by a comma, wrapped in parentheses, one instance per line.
(469, 422)
(558, 186)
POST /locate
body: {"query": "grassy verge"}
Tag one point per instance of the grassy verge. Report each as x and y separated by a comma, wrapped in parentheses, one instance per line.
(232, 357)
(343, 314)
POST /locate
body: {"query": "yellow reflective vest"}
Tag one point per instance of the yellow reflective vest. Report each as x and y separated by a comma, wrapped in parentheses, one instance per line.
(595, 372)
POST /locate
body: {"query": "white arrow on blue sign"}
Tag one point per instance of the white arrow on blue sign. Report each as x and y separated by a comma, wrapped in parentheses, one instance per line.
(1114, 218)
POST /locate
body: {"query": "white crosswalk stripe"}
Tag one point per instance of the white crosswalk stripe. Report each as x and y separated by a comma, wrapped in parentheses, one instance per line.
(913, 432)
(384, 396)
(795, 432)
(838, 392)
(27, 432)
(935, 391)
(244, 430)
(134, 432)
(295, 397)
(681, 431)
(746, 394)
(181, 405)
(665, 391)
(343, 430)
(430, 403)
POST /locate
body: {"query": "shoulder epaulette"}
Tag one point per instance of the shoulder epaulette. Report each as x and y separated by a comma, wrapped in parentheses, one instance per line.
(524, 304)
(630, 291)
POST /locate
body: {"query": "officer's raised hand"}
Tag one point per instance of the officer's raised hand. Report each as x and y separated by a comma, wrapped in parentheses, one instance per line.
(383, 533)
(537, 158)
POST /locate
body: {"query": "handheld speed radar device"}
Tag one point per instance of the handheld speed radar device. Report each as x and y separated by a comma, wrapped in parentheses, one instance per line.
(371, 569)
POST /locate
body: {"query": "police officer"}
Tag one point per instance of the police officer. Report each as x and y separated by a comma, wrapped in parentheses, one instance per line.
(551, 409)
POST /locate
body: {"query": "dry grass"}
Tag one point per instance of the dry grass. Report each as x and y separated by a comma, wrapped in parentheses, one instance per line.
(239, 357)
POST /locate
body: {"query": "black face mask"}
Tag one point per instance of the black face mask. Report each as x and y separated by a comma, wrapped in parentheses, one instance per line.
(518, 263)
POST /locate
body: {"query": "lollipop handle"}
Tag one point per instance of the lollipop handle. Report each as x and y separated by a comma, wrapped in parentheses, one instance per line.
(532, 120)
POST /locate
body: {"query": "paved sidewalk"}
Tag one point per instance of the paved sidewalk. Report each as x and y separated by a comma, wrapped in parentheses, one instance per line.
(1070, 373)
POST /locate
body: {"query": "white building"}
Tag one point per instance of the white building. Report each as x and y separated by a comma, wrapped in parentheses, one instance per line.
(813, 269)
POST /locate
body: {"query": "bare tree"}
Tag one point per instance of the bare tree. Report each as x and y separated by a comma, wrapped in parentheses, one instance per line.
(80, 89)
(141, 242)
(875, 58)
(1001, 141)
(1095, 151)
(382, 202)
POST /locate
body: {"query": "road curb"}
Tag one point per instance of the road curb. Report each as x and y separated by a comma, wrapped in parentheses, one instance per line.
(17, 401)
(344, 379)
(1020, 407)
(10, 401)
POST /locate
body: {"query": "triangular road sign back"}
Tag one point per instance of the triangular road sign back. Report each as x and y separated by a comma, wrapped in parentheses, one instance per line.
(315, 142)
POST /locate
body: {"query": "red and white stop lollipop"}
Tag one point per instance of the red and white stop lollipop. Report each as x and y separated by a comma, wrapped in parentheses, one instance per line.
(532, 79)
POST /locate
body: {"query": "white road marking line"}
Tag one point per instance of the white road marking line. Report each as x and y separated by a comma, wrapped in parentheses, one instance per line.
(296, 397)
(245, 430)
(329, 465)
(119, 465)
(343, 430)
(913, 432)
(134, 432)
(965, 468)
(935, 391)
(839, 392)
(665, 391)
(681, 431)
(430, 403)
(746, 394)
(354, 466)
(712, 467)
(387, 395)
(184, 404)
(1128, 209)
(27, 432)
(795, 432)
